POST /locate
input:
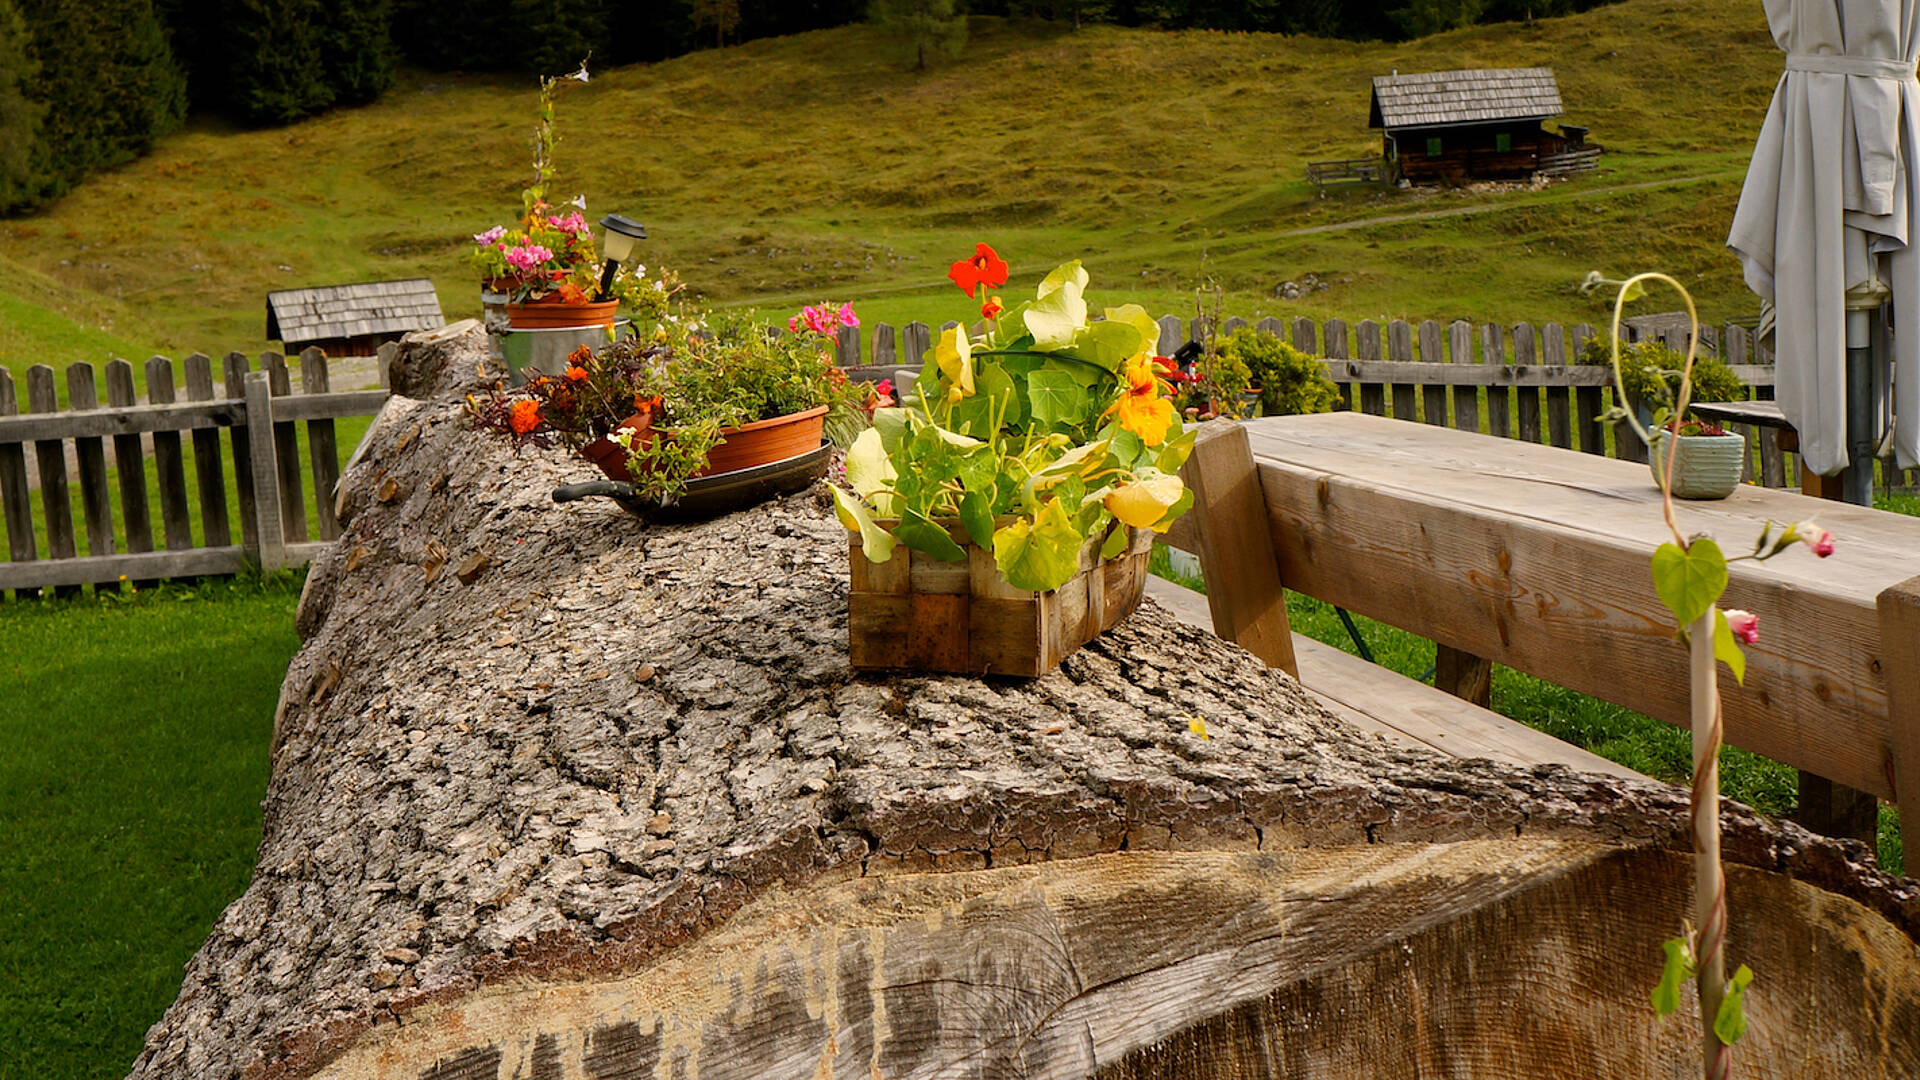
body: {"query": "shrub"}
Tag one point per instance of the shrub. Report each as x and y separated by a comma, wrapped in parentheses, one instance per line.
(1290, 381)
(1651, 373)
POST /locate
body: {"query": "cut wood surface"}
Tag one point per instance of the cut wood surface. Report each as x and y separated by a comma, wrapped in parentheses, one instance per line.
(1537, 559)
(609, 802)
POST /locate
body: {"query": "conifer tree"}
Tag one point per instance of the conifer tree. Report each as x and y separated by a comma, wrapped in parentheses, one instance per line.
(925, 27)
(19, 115)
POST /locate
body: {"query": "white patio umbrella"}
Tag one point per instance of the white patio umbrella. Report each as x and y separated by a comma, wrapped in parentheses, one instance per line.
(1823, 225)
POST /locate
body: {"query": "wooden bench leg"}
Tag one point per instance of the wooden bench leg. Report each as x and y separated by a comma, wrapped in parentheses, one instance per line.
(1899, 609)
(1228, 530)
(1463, 675)
(1832, 809)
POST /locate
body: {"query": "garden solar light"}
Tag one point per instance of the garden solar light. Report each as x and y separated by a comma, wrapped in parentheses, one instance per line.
(622, 233)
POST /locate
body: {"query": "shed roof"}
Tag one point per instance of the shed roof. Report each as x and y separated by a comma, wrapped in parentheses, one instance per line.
(1442, 98)
(298, 316)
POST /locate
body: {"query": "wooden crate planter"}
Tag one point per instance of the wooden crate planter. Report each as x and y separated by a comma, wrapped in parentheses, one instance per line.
(916, 613)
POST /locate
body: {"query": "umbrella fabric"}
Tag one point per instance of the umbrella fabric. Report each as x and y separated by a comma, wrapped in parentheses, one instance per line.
(1828, 202)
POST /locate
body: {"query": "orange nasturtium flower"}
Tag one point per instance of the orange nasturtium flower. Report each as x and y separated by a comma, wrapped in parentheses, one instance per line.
(1141, 408)
(992, 308)
(525, 417)
(986, 267)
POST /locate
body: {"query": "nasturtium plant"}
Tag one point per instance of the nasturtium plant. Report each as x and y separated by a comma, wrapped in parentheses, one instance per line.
(1040, 430)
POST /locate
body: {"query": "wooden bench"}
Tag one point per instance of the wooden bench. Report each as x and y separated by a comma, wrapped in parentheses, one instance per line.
(1373, 698)
(1537, 558)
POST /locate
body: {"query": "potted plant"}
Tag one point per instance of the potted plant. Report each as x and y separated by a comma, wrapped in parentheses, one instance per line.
(703, 395)
(1287, 381)
(545, 265)
(1002, 516)
(1707, 460)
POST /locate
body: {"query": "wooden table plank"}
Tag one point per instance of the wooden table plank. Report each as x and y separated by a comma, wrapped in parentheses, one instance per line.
(1536, 558)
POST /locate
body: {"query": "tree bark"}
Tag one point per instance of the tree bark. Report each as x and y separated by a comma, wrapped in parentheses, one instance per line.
(556, 793)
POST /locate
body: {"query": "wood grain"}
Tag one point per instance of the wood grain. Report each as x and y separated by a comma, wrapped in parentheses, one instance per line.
(322, 451)
(16, 499)
(1538, 560)
(1226, 529)
(169, 465)
(50, 458)
(209, 474)
(96, 497)
(1899, 611)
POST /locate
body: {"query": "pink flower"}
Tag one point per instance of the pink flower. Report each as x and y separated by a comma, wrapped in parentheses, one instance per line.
(573, 223)
(527, 256)
(847, 317)
(793, 325)
(490, 237)
(885, 387)
(818, 319)
(1744, 624)
(1818, 540)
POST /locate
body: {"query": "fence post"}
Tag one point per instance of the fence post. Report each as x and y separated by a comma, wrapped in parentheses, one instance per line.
(1493, 352)
(1553, 353)
(96, 499)
(915, 340)
(1400, 350)
(234, 375)
(50, 456)
(270, 550)
(14, 498)
(1433, 397)
(1524, 357)
(1373, 395)
(1466, 399)
(286, 450)
(1171, 337)
(1336, 339)
(323, 453)
(1303, 338)
(169, 467)
(846, 347)
(883, 349)
(209, 473)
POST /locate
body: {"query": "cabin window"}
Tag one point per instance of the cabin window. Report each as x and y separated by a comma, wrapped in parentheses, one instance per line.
(1433, 146)
(1503, 142)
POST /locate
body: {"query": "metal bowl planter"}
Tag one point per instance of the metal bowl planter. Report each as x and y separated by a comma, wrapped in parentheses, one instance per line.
(760, 442)
(1704, 467)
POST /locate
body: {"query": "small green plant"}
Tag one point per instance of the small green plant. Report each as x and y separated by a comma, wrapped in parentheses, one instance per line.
(1651, 373)
(1690, 575)
(1290, 382)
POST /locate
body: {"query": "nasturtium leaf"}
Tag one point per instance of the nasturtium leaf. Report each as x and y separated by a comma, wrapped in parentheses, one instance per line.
(1180, 506)
(994, 385)
(876, 542)
(1128, 448)
(1726, 649)
(979, 469)
(1137, 317)
(1634, 290)
(1689, 580)
(1731, 1021)
(893, 426)
(1081, 371)
(1679, 968)
(1174, 452)
(921, 533)
(1058, 315)
(1040, 555)
(1083, 459)
(1110, 344)
(1115, 544)
(976, 513)
(1056, 397)
(954, 355)
(1144, 502)
(1068, 273)
(868, 469)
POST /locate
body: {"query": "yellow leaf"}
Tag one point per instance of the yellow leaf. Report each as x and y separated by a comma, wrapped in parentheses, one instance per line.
(1143, 503)
(1198, 727)
(954, 354)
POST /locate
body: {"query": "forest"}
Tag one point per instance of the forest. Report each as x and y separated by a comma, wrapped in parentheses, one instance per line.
(89, 84)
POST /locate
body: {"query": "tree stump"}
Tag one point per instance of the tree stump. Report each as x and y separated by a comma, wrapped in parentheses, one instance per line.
(558, 794)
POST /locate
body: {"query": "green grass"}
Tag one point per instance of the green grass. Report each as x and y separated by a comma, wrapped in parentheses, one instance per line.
(136, 736)
(790, 169)
(1658, 749)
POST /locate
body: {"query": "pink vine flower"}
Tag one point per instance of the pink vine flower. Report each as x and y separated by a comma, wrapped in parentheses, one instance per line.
(1744, 624)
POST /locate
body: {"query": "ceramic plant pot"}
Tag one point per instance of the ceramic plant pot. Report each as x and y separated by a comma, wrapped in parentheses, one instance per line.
(1704, 467)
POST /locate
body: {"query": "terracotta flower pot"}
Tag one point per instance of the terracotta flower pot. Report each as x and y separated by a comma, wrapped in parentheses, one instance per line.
(759, 443)
(550, 313)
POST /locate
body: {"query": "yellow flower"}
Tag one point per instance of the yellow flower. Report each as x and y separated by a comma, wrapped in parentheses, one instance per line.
(1143, 503)
(954, 354)
(1141, 408)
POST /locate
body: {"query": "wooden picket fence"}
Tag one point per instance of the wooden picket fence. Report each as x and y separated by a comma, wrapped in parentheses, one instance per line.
(1420, 371)
(259, 411)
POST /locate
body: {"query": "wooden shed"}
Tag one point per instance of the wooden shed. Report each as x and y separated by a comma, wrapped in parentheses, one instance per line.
(352, 320)
(1454, 126)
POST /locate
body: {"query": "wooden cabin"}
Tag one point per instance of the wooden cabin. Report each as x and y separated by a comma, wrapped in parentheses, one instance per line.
(352, 320)
(1457, 126)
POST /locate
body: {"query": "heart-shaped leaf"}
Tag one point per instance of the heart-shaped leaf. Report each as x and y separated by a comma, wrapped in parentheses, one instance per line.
(1726, 649)
(1678, 969)
(1057, 316)
(1731, 1021)
(1040, 555)
(921, 533)
(1689, 580)
(876, 542)
(1056, 397)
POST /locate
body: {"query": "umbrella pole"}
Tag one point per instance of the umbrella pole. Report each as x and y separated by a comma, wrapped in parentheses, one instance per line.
(1863, 414)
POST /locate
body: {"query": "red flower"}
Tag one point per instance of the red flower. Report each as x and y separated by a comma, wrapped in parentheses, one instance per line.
(985, 268)
(525, 417)
(992, 308)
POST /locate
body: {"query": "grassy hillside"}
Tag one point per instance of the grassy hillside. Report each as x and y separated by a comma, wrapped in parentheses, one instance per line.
(789, 169)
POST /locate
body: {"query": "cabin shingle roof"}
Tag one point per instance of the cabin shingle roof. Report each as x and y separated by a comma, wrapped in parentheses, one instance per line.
(1441, 98)
(298, 316)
